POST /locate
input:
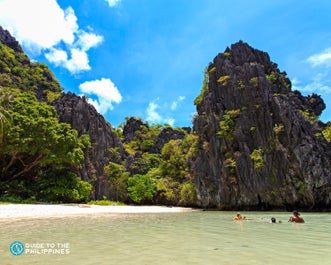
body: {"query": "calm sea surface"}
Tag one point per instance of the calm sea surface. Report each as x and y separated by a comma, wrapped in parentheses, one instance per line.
(168, 238)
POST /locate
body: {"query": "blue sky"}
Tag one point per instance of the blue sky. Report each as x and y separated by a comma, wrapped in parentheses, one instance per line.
(146, 58)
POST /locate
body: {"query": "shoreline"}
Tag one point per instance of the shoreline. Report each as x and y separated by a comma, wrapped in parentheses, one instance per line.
(9, 211)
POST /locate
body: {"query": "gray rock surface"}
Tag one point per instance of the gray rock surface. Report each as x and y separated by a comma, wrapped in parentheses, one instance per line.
(259, 144)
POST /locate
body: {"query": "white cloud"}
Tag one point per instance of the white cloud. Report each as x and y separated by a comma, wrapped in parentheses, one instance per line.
(318, 84)
(323, 58)
(88, 40)
(57, 56)
(77, 62)
(112, 3)
(41, 23)
(313, 87)
(169, 121)
(105, 91)
(175, 103)
(152, 115)
(41, 26)
(318, 80)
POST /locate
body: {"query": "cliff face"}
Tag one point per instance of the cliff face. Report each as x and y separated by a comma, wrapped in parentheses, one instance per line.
(9, 40)
(85, 119)
(260, 146)
(164, 137)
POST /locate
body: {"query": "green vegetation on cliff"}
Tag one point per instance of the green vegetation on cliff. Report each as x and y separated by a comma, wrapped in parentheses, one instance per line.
(248, 142)
(151, 177)
(16, 71)
(37, 152)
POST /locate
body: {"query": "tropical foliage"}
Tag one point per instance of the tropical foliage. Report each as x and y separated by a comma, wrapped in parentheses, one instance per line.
(37, 152)
(154, 178)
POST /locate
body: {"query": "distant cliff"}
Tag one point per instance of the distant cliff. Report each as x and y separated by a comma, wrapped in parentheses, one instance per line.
(260, 144)
(85, 119)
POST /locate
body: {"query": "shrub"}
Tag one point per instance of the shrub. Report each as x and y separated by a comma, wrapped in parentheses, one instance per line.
(223, 80)
(228, 123)
(327, 133)
(254, 81)
(188, 195)
(63, 187)
(278, 128)
(257, 157)
(141, 188)
(204, 90)
(106, 203)
(272, 77)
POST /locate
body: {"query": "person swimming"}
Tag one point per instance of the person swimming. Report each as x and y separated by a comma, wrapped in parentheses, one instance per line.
(238, 217)
(273, 220)
(296, 217)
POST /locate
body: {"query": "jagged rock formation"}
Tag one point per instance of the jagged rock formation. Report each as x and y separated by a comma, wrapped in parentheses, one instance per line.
(85, 119)
(132, 125)
(9, 40)
(259, 143)
(164, 137)
(147, 140)
(260, 146)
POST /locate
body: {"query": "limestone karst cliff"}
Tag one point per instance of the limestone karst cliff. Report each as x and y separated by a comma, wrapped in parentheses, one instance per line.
(85, 119)
(260, 144)
(255, 143)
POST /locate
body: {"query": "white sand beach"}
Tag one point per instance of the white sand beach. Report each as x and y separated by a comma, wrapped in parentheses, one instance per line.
(56, 210)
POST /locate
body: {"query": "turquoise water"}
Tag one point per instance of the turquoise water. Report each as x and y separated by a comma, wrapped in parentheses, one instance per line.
(169, 238)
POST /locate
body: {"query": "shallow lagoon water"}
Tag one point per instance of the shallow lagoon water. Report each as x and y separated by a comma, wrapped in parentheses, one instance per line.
(170, 238)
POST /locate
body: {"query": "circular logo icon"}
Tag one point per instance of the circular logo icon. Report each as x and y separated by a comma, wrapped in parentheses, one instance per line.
(16, 248)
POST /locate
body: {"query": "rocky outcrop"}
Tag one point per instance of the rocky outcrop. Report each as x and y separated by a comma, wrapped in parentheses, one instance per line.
(166, 134)
(131, 126)
(164, 137)
(85, 119)
(9, 40)
(260, 144)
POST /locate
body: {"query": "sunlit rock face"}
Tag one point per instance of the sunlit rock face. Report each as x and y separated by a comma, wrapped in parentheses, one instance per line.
(260, 145)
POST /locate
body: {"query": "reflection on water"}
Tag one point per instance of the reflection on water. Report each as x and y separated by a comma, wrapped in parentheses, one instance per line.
(172, 238)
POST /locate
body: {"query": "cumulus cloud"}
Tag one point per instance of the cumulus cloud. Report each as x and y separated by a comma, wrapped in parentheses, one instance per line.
(104, 90)
(321, 59)
(112, 3)
(87, 41)
(41, 26)
(77, 62)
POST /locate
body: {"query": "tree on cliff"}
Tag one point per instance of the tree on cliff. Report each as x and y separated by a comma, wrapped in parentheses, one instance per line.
(36, 141)
(5, 102)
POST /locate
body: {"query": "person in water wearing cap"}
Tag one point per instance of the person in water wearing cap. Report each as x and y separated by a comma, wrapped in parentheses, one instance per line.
(238, 217)
(296, 217)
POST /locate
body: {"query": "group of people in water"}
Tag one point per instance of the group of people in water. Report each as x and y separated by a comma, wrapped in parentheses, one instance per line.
(295, 218)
